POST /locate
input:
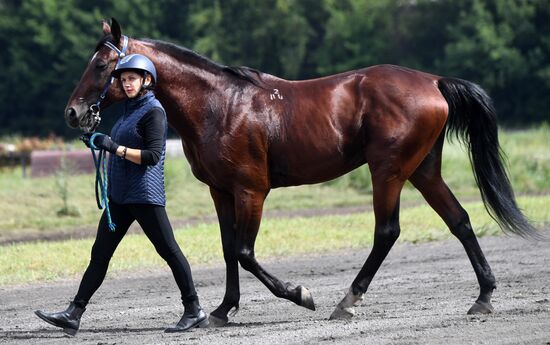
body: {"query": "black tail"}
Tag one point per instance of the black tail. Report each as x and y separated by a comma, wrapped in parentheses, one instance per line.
(472, 118)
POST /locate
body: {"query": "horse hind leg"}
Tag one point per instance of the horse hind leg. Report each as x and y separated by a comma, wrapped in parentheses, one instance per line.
(386, 195)
(427, 179)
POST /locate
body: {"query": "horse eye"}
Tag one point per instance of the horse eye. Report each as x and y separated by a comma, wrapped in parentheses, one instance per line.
(101, 65)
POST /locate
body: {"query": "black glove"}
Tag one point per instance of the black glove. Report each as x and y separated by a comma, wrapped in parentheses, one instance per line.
(86, 139)
(105, 142)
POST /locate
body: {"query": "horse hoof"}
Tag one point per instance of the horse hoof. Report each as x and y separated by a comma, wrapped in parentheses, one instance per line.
(342, 313)
(306, 300)
(481, 308)
(215, 321)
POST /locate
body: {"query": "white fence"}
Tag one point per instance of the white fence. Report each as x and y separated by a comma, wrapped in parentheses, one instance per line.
(174, 148)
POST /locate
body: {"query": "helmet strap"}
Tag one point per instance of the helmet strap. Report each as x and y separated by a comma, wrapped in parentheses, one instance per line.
(145, 74)
(143, 88)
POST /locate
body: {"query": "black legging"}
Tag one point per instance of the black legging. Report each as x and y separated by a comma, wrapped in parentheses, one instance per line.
(154, 221)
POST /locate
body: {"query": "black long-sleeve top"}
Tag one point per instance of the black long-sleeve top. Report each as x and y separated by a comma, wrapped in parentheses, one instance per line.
(152, 127)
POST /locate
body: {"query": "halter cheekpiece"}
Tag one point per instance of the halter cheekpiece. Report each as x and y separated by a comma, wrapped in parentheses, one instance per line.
(95, 118)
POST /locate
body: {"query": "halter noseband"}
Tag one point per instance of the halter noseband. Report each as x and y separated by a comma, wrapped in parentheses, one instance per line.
(95, 119)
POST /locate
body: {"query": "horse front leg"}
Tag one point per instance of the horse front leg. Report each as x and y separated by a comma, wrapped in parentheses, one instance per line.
(225, 209)
(249, 207)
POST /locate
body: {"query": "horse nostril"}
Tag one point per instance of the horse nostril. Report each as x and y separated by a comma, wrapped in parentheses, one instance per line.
(70, 114)
(71, 117)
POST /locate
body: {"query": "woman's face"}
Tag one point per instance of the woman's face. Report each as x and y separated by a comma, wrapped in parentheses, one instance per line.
(131, 83)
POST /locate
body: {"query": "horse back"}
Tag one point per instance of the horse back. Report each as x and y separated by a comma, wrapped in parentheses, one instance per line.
(330, 126)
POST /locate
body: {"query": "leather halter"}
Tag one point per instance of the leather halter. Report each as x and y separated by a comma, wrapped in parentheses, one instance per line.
(94, 109)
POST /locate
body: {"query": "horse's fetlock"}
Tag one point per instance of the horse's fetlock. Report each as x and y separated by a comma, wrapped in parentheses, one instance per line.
(357, 291)
(488, 287)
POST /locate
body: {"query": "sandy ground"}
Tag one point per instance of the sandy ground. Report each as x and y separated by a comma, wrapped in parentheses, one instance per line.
(420, 296)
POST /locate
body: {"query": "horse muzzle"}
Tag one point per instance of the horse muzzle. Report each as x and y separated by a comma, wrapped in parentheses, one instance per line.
(71, 117)
(87, 122)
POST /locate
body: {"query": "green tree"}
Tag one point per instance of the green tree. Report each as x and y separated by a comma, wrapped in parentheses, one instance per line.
(47, 41)
(48, 44)
(361, 33)
(503, 45)
(357, 35)
(316, 15)
(269, 35)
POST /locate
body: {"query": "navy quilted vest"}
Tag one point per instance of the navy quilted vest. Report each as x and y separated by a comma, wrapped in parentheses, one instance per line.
(131, 183)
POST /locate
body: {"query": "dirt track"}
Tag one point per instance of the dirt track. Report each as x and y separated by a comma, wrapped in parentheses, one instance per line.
(420, 296)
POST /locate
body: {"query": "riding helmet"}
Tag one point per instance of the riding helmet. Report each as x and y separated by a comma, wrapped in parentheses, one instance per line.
(136, 62)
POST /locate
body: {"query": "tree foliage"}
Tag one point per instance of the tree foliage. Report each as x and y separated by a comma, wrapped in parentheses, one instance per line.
(504, 45)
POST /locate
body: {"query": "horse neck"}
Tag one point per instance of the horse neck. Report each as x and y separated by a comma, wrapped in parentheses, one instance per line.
(186, 90)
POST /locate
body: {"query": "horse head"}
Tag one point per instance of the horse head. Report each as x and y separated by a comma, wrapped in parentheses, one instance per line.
(82, 110)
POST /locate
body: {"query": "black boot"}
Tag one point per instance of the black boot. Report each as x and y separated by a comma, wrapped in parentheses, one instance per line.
(69, 319)
(193, 317)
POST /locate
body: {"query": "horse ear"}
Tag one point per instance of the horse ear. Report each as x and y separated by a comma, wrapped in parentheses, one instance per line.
(115, 30)
(106, 28)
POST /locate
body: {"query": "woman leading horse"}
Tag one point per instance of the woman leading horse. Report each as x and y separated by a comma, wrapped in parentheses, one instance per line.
(245, 132)
(137, 148)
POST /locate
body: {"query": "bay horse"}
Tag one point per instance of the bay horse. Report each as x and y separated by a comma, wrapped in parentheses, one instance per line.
(245, 132)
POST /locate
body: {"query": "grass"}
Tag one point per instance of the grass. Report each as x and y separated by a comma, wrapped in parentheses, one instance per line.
(35, 262)
(32, 205)
(526, 156)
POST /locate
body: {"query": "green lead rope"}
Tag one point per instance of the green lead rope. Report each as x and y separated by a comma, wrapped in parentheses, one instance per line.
(101, 182)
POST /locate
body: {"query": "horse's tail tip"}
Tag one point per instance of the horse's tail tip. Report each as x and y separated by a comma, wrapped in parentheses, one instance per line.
(529, 233)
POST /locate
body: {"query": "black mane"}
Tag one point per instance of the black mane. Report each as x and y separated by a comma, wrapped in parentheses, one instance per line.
(247, 74)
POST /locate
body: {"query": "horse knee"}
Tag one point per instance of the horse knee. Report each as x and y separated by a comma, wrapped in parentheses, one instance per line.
(388, 233)
(246, 259)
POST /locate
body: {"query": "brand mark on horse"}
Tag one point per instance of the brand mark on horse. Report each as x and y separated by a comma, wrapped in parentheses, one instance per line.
(275, 95)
